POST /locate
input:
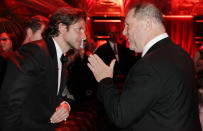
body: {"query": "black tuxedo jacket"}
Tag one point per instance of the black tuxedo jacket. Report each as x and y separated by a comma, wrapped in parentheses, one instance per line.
(159, 93)
(29, 92)
(2, 68)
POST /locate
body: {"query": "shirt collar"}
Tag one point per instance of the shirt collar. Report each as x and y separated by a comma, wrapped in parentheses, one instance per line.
(58, 50)
(111, 44)
(152, 42)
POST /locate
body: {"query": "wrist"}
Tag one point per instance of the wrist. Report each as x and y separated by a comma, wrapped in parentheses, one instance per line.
(65, 105)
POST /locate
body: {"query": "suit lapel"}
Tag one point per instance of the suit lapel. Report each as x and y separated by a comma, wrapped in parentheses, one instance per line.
(51, 46)
(54, 62)
(52, 52)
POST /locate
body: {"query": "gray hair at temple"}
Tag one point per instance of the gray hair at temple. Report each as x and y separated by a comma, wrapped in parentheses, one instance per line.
(147, 10)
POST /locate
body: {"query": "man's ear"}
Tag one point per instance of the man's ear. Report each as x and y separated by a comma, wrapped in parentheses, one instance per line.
(62, 28)
(29, 32)
(148, 24)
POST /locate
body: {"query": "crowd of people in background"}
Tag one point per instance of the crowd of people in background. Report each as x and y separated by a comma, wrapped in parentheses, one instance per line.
(30, 54)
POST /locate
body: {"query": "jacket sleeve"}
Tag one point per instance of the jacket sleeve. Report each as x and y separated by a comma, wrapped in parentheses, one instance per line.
(20, 75)
(140, 92)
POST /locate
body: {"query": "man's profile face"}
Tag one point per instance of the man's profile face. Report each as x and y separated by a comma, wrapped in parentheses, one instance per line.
(76, 33)
(132, 31)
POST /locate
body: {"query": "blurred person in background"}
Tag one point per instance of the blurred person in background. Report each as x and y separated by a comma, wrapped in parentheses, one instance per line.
(10, 34)
(34, 28)
(10, 39)
(198, 61)
(114, 49)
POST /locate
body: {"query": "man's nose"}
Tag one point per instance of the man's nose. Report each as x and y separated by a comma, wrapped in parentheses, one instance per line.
(83, 36)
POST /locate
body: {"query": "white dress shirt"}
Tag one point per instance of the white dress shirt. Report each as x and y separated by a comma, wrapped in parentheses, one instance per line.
(111, 44)
(152, 42)
(59, 54)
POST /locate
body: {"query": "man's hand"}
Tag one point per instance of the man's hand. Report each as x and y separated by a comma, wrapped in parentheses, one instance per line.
(99, 68)
(61, 114)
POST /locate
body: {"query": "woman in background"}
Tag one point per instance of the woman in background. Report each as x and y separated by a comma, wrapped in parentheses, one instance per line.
(10, 40)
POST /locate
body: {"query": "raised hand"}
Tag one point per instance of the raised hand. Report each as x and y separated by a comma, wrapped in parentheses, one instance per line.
(99, 68)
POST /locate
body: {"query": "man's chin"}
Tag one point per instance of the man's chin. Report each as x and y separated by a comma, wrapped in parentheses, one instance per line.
(76, 46)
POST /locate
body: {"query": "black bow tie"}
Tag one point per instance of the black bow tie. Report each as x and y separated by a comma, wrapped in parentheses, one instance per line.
(64, 59)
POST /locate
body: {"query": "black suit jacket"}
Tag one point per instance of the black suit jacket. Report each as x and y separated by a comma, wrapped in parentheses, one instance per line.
(2, 68)
(159, 93)
(29, 92)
